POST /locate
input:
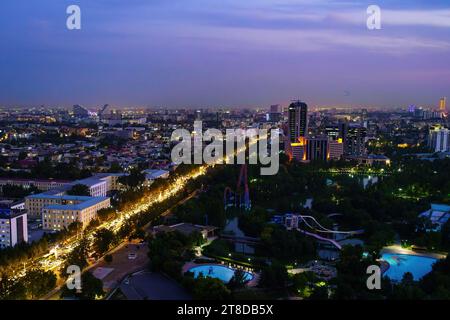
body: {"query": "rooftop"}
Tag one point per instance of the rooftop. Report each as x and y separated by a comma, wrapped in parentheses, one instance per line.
(65, 197)
(78, 206)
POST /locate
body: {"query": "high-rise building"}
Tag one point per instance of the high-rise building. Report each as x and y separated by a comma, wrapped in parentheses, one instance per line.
(297, 149)
(316, 148)
(275, 113)
(298, 120)
(335, 149)
(275, 108)
(333, 132)
(443, 104)
(354, 140)
(438, 139)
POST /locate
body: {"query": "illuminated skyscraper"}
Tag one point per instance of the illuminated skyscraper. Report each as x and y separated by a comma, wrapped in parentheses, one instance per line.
(442, 104)
(298, 120)
(354, 140)
(439, 139)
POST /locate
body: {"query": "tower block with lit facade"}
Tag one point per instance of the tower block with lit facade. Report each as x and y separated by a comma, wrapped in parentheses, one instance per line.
(297, 129)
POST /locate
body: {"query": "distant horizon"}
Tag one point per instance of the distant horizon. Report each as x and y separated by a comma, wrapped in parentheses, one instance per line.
(233, 53)
(218, 107)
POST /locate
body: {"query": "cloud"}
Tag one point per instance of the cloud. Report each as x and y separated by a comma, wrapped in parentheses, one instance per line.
(318, 39)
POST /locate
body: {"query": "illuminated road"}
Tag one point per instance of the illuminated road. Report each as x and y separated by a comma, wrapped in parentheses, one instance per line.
(56, 258)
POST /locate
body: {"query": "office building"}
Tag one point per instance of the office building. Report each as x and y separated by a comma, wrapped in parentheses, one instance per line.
(335, 149)
(438, 139)
(316, 148)
(333, 132)
(58, 212)
(354, 138)
(298, 120)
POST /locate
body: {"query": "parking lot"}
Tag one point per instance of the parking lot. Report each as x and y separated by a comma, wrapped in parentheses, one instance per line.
(127, 259)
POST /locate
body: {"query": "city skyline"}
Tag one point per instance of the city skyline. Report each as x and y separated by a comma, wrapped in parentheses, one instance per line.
(234, 54)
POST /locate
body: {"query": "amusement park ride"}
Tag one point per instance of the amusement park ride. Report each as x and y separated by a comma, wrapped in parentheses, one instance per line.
(240, 198)
(309, 226)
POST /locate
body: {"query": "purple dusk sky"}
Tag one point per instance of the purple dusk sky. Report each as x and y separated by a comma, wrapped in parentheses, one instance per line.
(224, 53)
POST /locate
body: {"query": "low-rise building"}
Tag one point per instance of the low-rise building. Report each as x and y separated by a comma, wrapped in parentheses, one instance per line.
(72, 209)
(153, 174)
(41, 184)
(99, 185)
(437, 215)
(372, 159)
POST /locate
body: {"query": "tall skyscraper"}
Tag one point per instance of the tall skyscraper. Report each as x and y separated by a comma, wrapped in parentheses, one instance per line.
(439, 139)
(443, 104)
(298, 120)
(355, 140)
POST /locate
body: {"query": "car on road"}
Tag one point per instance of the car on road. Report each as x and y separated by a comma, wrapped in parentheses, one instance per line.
(132, 256)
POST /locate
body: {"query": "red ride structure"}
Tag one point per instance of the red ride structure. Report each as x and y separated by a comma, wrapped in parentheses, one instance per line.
(241, 198)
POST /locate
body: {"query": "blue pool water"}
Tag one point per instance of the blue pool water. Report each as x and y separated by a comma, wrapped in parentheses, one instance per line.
(215, 271)
(402, 263)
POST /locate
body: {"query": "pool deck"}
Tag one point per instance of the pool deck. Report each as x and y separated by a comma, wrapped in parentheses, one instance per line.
(396, 249)
(251, 283)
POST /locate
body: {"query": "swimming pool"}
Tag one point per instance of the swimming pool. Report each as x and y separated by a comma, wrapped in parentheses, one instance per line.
(216, 271)
(399, 264)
